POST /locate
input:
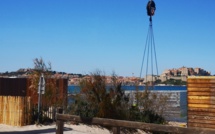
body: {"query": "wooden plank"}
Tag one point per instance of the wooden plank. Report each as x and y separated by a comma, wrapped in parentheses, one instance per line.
(211, 114)
(1, 109)
(201, 97)
(137, 125)
(201, 93)
(201, 77)
(12, 109)
(201, 106)
(201, 80)
(201, 125)
(200, 89)
(198, 101)
(201, 85)
(194, 109)
(29, 108)
(116, 130)
(199, 117)
(206, 121)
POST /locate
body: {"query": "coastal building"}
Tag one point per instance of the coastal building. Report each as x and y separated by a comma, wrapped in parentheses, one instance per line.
(182, 73)
(150, 78)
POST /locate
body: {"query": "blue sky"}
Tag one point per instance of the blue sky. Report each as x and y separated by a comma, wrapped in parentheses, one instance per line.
(80, 36)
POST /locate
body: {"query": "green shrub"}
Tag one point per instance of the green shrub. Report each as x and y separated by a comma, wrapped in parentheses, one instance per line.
(96, 99)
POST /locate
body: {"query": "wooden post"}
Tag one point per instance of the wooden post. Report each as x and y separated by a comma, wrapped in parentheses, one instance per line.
(59, 123)
(116, 130)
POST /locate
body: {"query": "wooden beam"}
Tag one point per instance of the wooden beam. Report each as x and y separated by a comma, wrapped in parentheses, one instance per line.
(59, 123)
(196, 101)
(201, 125)
(201, 98)
(196, 93)
(200, 85)
(201, 80)
(193, 113)
(201, 89)
(201, 106)
(194, 109)
(116, 130)
(137, 125)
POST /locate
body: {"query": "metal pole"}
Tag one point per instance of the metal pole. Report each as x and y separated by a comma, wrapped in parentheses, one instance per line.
(39, 97)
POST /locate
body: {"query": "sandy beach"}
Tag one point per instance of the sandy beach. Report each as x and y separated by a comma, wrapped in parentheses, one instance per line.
(68, 129)
(51, 129)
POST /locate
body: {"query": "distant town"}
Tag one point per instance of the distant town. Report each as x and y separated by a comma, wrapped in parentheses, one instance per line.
(175, 76)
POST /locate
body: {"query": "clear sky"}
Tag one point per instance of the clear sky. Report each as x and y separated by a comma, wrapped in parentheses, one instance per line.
(80, 36)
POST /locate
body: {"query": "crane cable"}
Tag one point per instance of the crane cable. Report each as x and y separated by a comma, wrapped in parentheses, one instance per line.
(150, 44)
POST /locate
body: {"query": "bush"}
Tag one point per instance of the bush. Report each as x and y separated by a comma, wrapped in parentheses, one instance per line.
(96, 99)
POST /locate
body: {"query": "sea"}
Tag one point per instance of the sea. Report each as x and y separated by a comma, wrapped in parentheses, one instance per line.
(73, 89)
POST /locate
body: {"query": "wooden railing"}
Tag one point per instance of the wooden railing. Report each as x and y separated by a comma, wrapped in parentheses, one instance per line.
(116, 124)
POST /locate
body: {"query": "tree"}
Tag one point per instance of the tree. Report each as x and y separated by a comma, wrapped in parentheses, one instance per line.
(50, 97)
(98, 99)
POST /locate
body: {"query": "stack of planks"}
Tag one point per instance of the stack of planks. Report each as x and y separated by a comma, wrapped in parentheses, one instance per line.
(201, 101)
(15, 110)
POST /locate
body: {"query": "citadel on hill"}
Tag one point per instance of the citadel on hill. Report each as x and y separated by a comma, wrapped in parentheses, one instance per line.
(179, 74)
(182, 73)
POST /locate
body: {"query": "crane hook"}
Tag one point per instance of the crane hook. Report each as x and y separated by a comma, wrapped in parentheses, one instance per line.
(151, 8)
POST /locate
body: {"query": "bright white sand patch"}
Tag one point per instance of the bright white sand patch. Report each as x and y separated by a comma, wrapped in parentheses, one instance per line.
(51, 129)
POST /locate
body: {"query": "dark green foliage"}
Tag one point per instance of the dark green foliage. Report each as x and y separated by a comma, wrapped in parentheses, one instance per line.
(42, 118)
(147, 116)
(150, 116)
(134, 114)
(85, 110)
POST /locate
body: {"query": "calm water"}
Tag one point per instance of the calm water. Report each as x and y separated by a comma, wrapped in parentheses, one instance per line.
(76, 89)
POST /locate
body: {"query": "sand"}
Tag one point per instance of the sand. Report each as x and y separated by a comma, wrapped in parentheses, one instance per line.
(68, 129)
(51, 129)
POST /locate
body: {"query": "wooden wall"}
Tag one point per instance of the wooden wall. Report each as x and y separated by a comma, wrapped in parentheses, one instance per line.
(15, 110)
(201, 101)
(21, 87)
(17, 99)
(13, 86)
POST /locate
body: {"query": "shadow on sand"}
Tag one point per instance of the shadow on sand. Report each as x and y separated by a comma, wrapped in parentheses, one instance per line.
(42, 131)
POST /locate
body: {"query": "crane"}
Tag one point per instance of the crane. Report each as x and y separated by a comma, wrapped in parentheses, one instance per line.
(149, 50)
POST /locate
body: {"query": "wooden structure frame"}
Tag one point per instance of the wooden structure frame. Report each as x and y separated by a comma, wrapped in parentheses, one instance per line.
(116, 124)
